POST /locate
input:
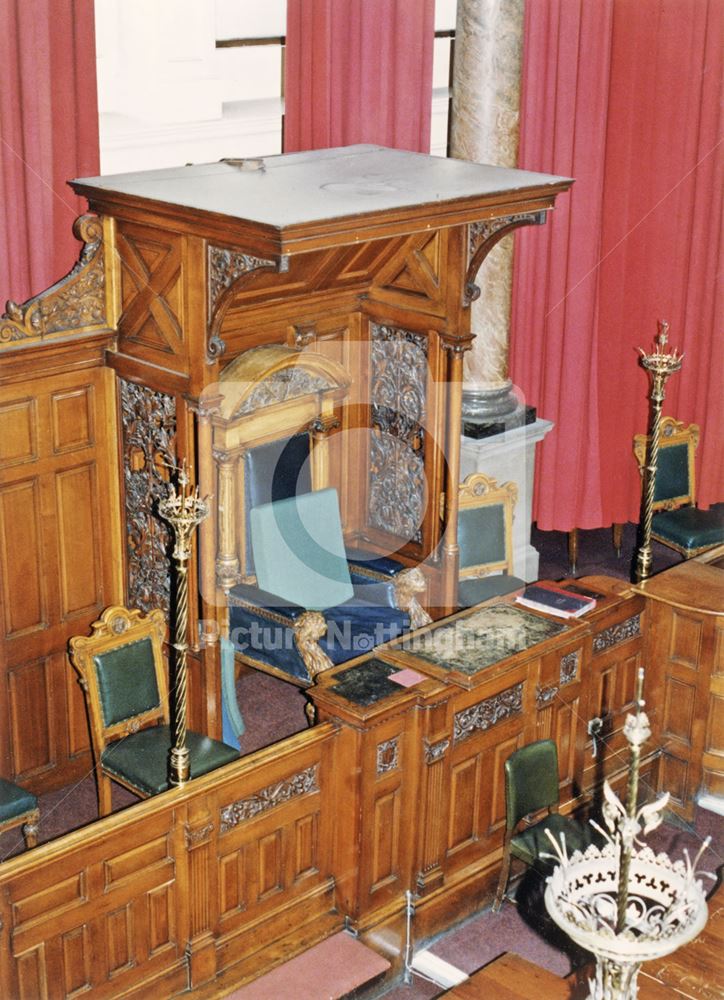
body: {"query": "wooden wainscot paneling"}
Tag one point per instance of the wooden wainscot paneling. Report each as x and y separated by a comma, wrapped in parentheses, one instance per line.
(616, 627)
(59, 555)
(215, 882)
(684, 642)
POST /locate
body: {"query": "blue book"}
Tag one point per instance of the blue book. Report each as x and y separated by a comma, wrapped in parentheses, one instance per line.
(555, 600)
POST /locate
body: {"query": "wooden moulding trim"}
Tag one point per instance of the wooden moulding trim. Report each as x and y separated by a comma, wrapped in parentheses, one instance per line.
(73, 352)
(147, 373)
(263, 239)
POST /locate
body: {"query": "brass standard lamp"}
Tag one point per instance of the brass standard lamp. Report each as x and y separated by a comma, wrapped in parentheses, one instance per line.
(184, 510)
(660, 366)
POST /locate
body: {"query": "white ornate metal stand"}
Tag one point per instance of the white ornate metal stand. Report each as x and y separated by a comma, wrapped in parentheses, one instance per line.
(184, 510)
(622, 901)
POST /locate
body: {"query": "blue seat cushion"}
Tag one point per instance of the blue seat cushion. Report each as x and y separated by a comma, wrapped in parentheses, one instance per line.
(353, 628)
(362, 561)
(141, 759)
(15, 801)
(690, 528)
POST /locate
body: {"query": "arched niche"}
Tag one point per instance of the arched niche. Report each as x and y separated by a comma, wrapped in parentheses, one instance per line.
(266, 394)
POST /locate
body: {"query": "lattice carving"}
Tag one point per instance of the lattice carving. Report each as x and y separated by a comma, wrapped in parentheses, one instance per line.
(612, 636)
(269, 797)
(149, 448)
(397, 453)
(488, 713)
(76, 302)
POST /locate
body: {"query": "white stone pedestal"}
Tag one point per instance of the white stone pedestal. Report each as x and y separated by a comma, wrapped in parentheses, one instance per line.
(510, 456)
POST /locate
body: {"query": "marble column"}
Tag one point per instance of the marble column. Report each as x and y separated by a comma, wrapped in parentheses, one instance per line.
(484, 128)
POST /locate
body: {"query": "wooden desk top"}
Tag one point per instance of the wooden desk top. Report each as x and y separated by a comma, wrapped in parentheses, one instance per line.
(306, 196)
(694, 585)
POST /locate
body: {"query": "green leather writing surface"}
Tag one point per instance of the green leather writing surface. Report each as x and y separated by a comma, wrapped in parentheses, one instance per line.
(126, 681)
(299, 550)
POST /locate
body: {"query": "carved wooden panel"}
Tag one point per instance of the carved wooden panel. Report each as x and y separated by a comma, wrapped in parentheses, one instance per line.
(465, 789)
(24, 583)
(148, 421)
(152, 318)
(398, 410)
(58, 557)
(417, 275)
(385, 838)
(19, 440)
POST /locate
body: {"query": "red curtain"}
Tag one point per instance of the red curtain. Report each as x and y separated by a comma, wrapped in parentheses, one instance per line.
(625, 96)
(358, 71)
(48, 134)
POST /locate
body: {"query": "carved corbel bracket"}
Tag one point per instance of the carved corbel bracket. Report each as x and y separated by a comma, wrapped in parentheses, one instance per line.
(408, 583)
(482, 238)
(308, 628)
(226, 269)
(75, 303)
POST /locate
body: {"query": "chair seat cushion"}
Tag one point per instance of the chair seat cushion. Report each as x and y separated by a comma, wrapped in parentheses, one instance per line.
(141, 759)
(474, 590)
(15, 801)
(533, 841)
(689, 527)
(364, 561)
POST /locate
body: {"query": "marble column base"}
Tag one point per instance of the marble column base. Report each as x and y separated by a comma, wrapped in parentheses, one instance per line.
(499, 406)
(510, 456)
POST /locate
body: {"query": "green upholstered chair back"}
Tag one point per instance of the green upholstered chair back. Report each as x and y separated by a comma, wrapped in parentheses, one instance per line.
(531, 780)
(485, 525)
(672, 473)
(126, 678)
(299, 551)
(675, 481)
(481, 535)
(123, 672)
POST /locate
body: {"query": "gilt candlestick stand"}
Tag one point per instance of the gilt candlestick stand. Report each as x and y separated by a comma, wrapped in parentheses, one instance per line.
(184, 510)
(660, 366)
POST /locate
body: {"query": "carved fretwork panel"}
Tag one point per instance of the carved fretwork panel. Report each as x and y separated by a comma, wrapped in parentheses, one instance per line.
(398, 398)
(149, 450)
(75, 304)
(152, 307)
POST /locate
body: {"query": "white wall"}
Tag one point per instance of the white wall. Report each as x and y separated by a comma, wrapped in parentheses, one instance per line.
(168, 96)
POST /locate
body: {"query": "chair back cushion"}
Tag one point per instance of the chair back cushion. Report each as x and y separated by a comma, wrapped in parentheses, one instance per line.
(672, 473)
(126, 679)
(274, 471)
(299, 550)
(481, 535)
(531, 780)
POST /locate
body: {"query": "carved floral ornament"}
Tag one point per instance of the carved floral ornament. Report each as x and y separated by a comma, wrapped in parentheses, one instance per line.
(274, 373)
(75, 303)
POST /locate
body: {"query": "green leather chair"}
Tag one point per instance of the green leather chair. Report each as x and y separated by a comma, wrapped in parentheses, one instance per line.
(123, 675)
(677, 521)
(485, 539)
(531, 785)
(18, 807)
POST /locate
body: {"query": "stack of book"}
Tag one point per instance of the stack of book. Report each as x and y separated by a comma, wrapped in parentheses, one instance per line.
(556, 600)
